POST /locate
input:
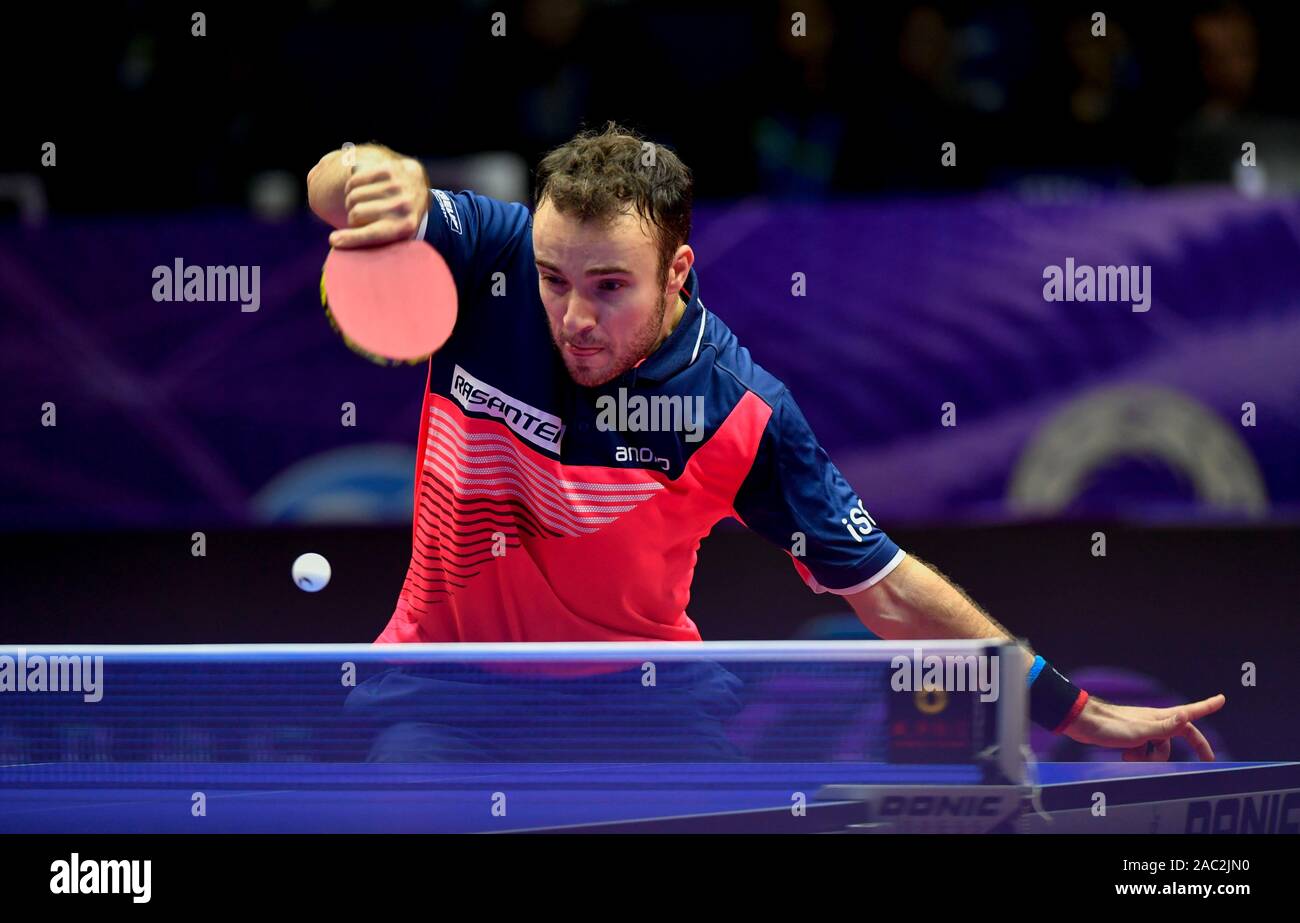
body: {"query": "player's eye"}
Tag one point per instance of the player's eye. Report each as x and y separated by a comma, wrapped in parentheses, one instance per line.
(612, 285)
(552, 280)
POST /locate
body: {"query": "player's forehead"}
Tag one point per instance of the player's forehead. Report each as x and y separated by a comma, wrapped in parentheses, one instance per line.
(575, 245)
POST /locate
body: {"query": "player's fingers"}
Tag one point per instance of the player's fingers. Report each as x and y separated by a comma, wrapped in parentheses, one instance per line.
(1168, 724)
(371, 192)
(397, 211)
(1198, 710)
(366, 175)
(363, 213)
(1200, 745)
(371, 235)
(1153, 751)
(1135, 735)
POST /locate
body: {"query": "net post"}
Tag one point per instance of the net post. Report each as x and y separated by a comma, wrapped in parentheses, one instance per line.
(1012, 713)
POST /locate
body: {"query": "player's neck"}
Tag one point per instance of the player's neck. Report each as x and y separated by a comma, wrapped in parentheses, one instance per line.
(677, 314)
(673, 320)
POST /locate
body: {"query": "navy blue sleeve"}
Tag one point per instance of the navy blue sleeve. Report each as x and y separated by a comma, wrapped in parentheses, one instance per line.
(475, 234)
(793, 489)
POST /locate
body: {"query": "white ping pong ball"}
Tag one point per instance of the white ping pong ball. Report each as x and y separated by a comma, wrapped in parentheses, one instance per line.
(311, 572)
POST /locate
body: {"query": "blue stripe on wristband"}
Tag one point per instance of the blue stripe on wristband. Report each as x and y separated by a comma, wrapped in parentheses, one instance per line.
(1034, 670)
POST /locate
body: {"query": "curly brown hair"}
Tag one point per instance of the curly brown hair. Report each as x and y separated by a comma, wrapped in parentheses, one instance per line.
(600, 174)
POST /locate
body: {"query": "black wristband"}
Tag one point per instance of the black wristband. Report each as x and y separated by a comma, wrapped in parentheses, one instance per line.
(1054, 701)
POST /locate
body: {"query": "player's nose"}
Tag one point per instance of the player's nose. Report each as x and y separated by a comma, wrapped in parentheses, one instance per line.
(580, 316)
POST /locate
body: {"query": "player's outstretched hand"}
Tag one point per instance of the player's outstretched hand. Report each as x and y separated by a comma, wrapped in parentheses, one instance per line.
(386, 196)
(1143, 733)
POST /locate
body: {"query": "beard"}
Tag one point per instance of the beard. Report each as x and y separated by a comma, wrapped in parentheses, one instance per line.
(613, 364)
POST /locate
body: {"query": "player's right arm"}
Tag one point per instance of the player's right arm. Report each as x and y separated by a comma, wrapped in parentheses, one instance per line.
(387, 198)
(372, 195)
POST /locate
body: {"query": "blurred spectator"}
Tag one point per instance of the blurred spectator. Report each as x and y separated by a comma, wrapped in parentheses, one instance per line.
(553, 73)
(1084, 123)
(1228, 114)
(859, 104)
(800, 128)
(918, 101)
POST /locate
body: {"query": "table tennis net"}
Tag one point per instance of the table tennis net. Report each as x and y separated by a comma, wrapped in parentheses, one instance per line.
(439, 703)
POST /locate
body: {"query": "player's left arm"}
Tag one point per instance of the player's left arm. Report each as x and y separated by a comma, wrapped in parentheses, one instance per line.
(916, 602)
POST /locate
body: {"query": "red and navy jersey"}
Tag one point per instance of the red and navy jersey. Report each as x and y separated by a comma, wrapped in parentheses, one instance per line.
(548, 511)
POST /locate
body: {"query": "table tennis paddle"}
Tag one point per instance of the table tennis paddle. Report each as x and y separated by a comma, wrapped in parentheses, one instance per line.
(394, 304)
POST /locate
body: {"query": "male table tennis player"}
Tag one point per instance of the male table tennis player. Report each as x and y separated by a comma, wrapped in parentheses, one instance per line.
(537, 519)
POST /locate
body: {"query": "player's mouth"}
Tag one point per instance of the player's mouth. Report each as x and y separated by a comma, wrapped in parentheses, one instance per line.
(584, 352)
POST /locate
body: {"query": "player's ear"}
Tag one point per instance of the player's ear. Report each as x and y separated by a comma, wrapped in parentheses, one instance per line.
(679, 267)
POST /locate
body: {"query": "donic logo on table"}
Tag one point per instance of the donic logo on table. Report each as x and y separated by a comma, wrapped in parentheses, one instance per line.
(964, 802)
(1276, 812)
(538, 427)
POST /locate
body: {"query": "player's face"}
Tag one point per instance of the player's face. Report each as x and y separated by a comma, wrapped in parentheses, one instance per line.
(605, 298)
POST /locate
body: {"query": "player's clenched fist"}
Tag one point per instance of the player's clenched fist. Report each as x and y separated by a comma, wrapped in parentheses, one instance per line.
(371, 194)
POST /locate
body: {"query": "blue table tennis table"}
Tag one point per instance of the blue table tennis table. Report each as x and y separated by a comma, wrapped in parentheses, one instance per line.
(625, 798)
